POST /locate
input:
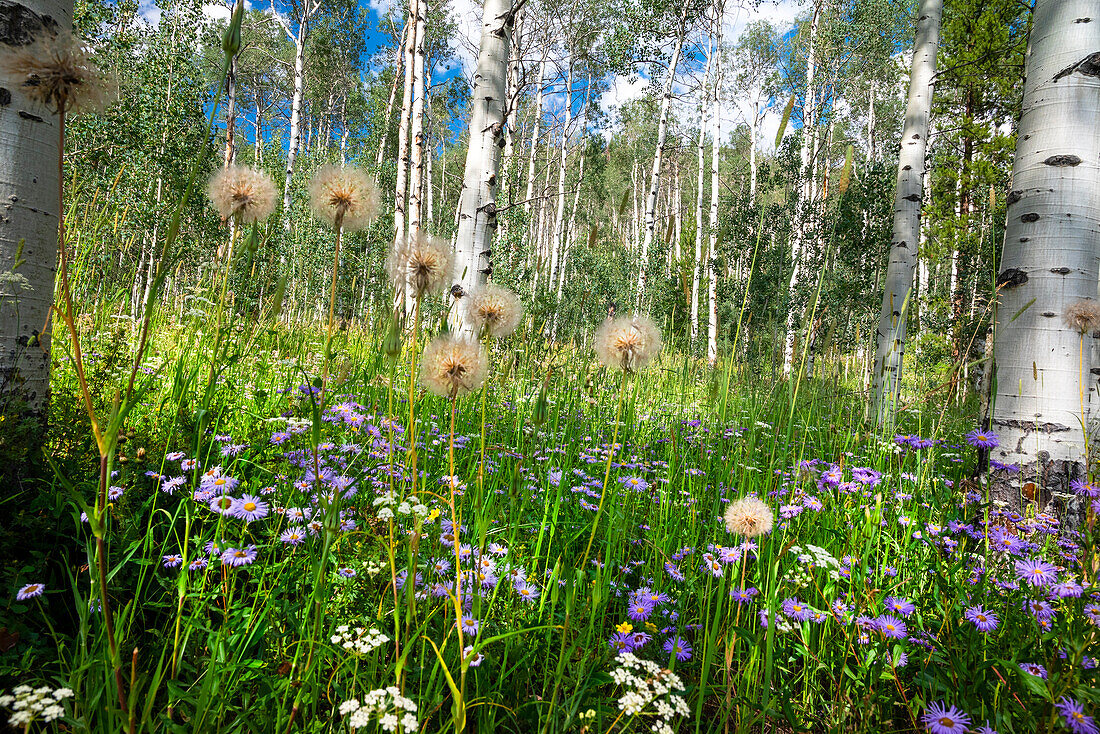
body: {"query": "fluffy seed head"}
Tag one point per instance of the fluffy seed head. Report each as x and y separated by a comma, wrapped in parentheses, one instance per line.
(1082, 316)
(422, 264)
(344, 196)
(244, 193)
(56, 70)
(749, 516)
(628, 343)
(495, 310)
(452, 366)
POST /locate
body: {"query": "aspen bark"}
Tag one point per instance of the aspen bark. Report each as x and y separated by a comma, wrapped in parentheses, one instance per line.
(897, 295)
(308, 8)
(559, 217)
(1045, 368)
(416, 170)
(805, 200)
(716, 146)
(401, 186)
(533, 154)
(398, 66)
(477, 208)
(701, 149)
(30, 155)
(658, 155)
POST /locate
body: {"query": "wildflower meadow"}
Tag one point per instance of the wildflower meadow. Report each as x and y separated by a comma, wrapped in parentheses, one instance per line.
(453, 514)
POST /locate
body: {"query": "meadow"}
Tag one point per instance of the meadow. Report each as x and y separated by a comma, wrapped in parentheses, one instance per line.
(245, 520)
(275, 562)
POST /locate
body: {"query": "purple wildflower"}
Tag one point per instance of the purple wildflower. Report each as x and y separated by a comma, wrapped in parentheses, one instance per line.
(1037, 572)
(941, 719)
(30, 591)
(982, 439)
(235, 557)
(985, 621)
(678, 646)
(1076, 720)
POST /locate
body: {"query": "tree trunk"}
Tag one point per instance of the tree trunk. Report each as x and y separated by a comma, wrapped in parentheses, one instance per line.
(299, 39)
(716, 146)
(1046, 389)
(401, 187)
(29, 189)
(533, 154)
(559, 217)
(477, 208)
(701, 150)
(398, 65)
(416, 171)
(898, 291)
(658, 154)
(805, 199)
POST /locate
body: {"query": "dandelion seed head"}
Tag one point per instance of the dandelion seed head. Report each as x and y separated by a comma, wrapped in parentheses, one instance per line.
(628, 343)
(344, 196)
(56, 70)
(1082, 316)
(422, 265)
(495, 310)
(242, 192)
(452, 366)
(749, 516)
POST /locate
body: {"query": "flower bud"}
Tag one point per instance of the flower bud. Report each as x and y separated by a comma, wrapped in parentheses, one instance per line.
(231, 41)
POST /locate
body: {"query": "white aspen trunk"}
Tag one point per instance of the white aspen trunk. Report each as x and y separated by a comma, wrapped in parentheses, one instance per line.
(1046, 388)
(871, 123)
(515, 74)
(299, 39)
(805, 201)
(635, 191)
(897, 295)
(257, 152)
(478, 209)
(716, 147)
(416, 170)
(754, 134)
(401, 184)
(429, 157)
(30, 155)
(398, 66)
(533, 154)
(559, 216)
(701, 149)
(678, 223)
(658, 154)
(571, 230)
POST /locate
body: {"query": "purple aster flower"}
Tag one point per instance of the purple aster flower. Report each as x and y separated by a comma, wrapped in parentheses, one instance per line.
(621, 642)
(982, 439)
(115, 493)
(1076, 720)
(640, 610)
(984, 620)
(173, 560)
(248, 508)
(742, 596)
(635, 483)
(223, 505)
(1034, 669)
(891, 626)
(986, 729)
(639, 639)
(348, 573)
(526, 591)
(679, 647)
(1067, 588)
(470, 625)
(198, 564)
(941, 719)
(477, 659)
(235, 557)
(293, 536)
(796, 610)
(900, 606)
(30, 591)
(1037, 572)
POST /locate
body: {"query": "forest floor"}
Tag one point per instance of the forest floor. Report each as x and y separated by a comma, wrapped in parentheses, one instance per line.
(277, 561)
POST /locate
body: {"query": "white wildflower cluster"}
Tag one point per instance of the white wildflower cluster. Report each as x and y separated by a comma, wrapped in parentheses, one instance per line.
(645, 683)
(388, 505)
(29, 704)
(374, 568)
(818, 557)
(359, 640)
(387, 705)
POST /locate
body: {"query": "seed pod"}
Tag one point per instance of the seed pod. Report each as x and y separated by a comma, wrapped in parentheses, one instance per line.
(541, 412)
